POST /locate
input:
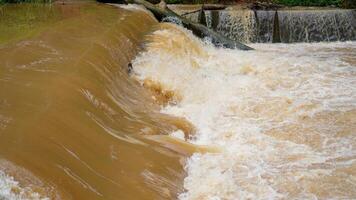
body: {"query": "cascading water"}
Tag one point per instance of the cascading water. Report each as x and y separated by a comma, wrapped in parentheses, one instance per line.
(283, 116)
(292, 25)
(235, 25)
(315, 26)
(265, 25)
(76, 122)
(71, 116)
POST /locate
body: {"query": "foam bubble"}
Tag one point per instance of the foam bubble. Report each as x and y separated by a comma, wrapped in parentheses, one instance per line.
(178, 134)
(284, 115)
(10, 189)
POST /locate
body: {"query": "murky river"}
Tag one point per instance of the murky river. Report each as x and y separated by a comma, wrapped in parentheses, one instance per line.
(187, 120)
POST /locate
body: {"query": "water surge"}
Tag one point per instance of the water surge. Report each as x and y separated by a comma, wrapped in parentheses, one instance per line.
(104, 102)
(282, 117)
(71, 115)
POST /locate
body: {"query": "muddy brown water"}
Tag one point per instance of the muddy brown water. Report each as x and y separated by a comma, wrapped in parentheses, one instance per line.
(77, 121)
(71, 116)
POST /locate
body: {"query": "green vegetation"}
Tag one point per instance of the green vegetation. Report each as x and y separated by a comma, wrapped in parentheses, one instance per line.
(186, 1)
(25, 1)
(19, 21)
(174, 1)
(348, 3)
(191, 1)
(338, 3)
(309, 2)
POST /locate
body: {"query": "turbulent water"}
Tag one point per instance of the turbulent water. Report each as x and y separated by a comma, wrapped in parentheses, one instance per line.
(187, 121)
(283, 117)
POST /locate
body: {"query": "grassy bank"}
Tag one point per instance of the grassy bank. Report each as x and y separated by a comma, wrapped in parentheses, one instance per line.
(2, 2)
(25, 1)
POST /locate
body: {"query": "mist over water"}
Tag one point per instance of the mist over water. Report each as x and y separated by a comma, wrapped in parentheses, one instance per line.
(189, 121)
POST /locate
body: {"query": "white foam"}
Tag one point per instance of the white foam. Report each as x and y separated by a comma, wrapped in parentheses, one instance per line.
(178, 134)
(133, 7)
(10, 189)
(273, 111)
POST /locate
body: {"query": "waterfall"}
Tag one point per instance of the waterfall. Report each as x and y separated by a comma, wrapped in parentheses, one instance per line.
(239, 26)
(290, 26)
(316, 26)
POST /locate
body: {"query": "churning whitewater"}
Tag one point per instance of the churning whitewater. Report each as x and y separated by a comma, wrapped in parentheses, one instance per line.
(275, 123)
(11, 189)
(283, 116)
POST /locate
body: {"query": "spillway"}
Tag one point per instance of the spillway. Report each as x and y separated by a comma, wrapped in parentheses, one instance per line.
(103, 102)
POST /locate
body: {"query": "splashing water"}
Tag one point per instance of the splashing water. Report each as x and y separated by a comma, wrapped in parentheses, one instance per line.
(283, 116)
(299, 25)
(10, 189)
(174, 20)
(278, 122)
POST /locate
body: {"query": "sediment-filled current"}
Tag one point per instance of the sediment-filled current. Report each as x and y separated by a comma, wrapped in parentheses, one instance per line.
(73, 123)
(104, 102)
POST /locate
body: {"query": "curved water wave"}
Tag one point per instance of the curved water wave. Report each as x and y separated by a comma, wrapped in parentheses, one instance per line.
(71, 114)
(77, 121)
